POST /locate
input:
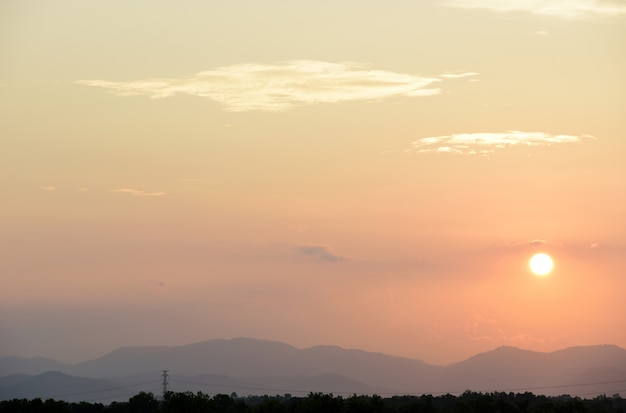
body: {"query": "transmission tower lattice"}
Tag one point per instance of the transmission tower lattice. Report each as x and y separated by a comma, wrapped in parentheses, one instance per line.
(164, 375)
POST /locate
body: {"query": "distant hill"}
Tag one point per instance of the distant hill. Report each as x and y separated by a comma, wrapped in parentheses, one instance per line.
(52, 385)
(37, 365)
(575, 370)
(250, 366)
(60, 386)
(244, 357)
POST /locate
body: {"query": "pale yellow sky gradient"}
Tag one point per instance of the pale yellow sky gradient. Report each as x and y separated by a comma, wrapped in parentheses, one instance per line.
(369, 175)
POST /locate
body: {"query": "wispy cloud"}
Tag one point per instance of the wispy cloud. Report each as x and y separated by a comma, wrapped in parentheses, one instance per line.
(458, 75)
(48, 188)
(136, 192)
(284, 85)
(526, 244)
(479, 327)
(568, 9)
(488, 142)
(319, 252)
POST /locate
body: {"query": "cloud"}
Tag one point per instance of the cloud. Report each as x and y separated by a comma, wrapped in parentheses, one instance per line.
(579, 249)
(568, 9)
(488, 142)
(457, 75)
(136, 192)
(319, 252)
(479, 327)
(48, 188)
(529, 244)
(282, 86)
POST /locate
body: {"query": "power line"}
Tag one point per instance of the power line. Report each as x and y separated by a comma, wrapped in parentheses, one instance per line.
(518, 389)
(105, 389)
(165, 384)
(116, 396)
(569, 385)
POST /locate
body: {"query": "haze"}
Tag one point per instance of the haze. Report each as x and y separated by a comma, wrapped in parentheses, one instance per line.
(367, 175)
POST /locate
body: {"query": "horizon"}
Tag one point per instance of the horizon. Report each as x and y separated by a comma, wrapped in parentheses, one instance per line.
(321, 345)
(427, 179)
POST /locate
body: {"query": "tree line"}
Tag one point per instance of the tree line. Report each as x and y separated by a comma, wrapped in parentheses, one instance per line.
(189, 402)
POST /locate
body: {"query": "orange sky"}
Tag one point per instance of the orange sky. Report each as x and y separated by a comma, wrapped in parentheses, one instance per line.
(369, 175)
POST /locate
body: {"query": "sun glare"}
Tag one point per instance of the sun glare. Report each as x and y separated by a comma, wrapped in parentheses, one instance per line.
(541, 264)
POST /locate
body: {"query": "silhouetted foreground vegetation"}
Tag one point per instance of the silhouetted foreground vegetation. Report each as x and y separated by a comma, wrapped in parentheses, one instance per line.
(188, 402)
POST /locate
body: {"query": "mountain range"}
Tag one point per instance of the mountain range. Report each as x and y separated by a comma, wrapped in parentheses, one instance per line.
(255, 367)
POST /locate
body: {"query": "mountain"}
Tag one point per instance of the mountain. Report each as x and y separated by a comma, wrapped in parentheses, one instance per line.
(249, 366)
(244, 357)
(575, 370)
(52, 385)
(60, 386)
(35, 365)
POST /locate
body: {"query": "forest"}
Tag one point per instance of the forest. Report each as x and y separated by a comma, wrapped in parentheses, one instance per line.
(189, 402)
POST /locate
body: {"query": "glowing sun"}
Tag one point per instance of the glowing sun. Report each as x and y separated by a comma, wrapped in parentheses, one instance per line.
(541, 264)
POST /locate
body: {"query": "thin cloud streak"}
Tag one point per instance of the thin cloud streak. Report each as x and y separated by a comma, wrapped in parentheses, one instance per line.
(320, 252)
(570, 9)
(457, 75)
(525, 244)
(136, 192)
(488, 142)
(284, 85)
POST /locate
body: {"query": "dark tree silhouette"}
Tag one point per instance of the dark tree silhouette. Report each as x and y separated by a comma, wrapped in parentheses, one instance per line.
(143, 403)
(189, 402)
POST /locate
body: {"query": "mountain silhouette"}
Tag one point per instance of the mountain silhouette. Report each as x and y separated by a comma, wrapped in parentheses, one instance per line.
(35, 365)
(250, 366)
(52, 384)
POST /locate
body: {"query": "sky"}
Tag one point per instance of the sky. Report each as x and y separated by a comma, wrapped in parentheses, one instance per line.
(372, 175)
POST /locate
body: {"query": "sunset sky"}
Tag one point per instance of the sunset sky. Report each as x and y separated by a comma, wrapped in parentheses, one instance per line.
(367, 174)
